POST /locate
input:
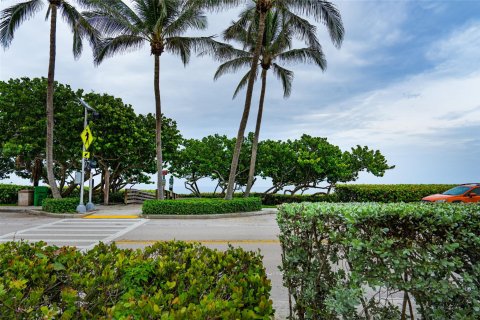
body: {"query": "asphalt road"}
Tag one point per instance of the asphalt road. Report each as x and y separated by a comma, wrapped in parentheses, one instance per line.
(251, 233)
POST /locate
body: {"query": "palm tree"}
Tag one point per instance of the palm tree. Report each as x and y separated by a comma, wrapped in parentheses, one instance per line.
(276, 46)
(10, 20)
(321, 10)
(160, 24)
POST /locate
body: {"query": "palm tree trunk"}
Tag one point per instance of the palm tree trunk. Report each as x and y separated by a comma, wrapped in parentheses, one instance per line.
(158, 135)
(50, 83)
(246, 109)
(253, 158)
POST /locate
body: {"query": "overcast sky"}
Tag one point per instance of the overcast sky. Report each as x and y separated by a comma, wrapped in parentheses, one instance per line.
(406, 81)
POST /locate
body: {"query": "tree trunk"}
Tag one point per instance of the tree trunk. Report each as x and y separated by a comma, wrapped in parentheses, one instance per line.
(246, 109)
(253, 158)
(158, 136)
(50, 83)
(106, 186)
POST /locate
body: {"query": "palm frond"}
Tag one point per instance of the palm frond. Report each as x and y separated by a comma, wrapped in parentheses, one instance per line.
(286, 77)
(302, 29)
(80, 28)
(113, 17)
(304, 55)
(203, 45)
(191, 18)
(12, 17)
(242, 84)
(232, 66)
(322, 11)
(218, 5)
(110, 46)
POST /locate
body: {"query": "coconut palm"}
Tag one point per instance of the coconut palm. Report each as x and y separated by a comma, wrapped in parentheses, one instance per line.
(160, 24)
(10, 20)
(320, 10)
(276, 47)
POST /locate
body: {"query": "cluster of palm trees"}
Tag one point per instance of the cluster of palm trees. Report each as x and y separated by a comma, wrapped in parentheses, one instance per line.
(266, 31)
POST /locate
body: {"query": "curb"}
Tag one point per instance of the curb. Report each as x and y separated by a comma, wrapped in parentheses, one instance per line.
(210, 216)
(57, 215)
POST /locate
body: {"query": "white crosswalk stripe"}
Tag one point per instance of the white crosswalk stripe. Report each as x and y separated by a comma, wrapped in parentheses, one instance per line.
(84, 234)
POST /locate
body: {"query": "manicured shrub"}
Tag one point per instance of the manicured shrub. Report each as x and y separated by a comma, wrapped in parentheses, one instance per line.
(170, 280)
(201, 206)
(347, 261)
(277, 199)
(9, 193)
(64, 205)
(387, 192)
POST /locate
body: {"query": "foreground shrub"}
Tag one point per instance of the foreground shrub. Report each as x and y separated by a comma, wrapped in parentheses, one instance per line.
(347, 261)
(170, 280)
(388, 192)
(9, 193)
(64, 205)
(201, 206)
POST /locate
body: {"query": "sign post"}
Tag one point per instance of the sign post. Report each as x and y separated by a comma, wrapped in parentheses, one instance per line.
(87, 139)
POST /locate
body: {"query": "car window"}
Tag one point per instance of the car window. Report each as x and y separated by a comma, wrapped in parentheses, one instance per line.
(457, 191)
(476, 191)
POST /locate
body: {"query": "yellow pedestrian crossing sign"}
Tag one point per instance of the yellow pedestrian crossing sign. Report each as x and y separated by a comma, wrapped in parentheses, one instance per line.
(87, 137)
(86, 155)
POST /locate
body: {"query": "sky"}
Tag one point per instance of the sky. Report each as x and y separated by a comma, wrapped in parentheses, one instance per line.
(406, 81)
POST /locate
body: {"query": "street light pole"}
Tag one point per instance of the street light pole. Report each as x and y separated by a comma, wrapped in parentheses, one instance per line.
(81, 208)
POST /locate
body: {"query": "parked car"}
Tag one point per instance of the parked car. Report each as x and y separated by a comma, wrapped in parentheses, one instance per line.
(467, 192)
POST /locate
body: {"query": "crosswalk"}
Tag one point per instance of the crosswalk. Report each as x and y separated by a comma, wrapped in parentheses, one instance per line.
(82, 233)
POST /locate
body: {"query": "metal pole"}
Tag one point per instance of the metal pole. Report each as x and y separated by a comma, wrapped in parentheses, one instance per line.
(81, 207)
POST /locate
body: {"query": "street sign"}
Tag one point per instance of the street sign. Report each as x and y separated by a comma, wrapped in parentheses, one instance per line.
(87, 137)
(86, 155)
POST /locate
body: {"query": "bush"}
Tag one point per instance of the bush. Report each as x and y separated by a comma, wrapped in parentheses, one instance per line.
(64, 205)
(9, 193)
(277, 199)
(170, 280)
(425, 253)
(387, 192)
(201, 206)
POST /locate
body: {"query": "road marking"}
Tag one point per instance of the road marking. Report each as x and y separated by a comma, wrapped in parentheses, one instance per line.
(111, 217)
(75, 231)
(253, 241)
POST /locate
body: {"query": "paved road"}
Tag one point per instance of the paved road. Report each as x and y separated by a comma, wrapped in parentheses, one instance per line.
(251, 233)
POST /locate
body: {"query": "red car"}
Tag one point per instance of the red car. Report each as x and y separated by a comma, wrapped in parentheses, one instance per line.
(468, 192)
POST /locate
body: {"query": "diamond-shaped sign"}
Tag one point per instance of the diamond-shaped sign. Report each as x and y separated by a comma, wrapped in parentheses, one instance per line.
(86, 155)
(87, 137)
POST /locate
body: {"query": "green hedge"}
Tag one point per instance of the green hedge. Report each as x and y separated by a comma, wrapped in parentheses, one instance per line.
(201, 206)
(277, 199)
(64, 205)
(9, 193)
(347, 261)
(169, 280)
(388, 192)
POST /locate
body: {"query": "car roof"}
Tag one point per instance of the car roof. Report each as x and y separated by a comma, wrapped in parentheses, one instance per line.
(473, 184)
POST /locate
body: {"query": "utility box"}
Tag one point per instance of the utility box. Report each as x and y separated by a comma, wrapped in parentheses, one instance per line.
(25, 197)
(39, 194)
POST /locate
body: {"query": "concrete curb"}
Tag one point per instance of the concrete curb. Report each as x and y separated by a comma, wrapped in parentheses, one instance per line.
(211, 216)
(57, 215)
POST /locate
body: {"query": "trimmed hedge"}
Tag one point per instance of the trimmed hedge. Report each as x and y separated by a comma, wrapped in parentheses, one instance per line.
(64, 205)
(201, 206)
(388, 192)
(347, 261)
(277, 199)
(169, 280)
(9, 193)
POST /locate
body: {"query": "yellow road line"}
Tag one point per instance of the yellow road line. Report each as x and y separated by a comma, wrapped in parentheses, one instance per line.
(111, 217)
(256, 241)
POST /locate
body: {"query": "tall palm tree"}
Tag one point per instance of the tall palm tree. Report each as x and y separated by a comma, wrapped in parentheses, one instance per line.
(160, 24)
(276, 47)
(321, 10)
(10, 20)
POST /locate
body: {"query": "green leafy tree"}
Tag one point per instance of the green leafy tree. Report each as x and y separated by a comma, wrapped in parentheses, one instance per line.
(276, 51)
(208, 158)
(161, 24)
(322, 11)
(123, 145)
(10, 20)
